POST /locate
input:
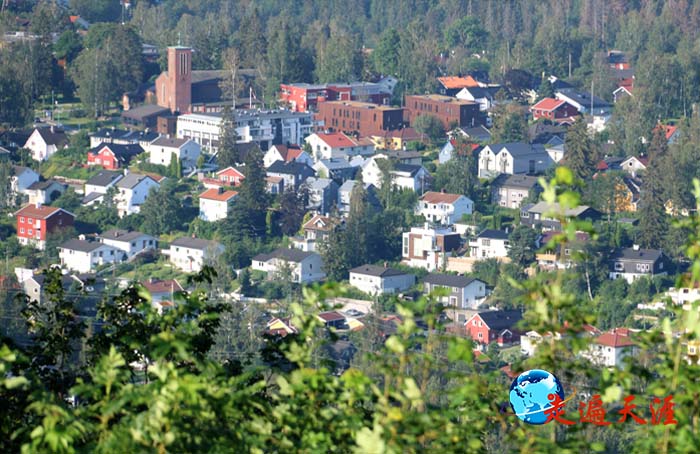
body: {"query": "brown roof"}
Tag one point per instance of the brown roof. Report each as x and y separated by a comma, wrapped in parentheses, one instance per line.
(215, 194)
(40, 212)
(336, 140)
(458, 82)
(548, 104)
(165, 286)
(439, 197)
(331, 316)
(616, 337)
(312, 224)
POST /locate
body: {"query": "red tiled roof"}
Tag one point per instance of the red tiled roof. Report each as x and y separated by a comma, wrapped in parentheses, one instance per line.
(336, 140)
(164, 286)
(670, 130)
(311, 223)
(627, 84)
(40, 212)
(293, 152)
(458, 82)
(439, 197)
(548, 104)
(331, 316)
(602, 165)
(617, 338)
(230, 171)
(215, 194)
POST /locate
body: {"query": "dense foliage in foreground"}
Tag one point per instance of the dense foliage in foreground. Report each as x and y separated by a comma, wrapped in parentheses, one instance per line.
(150, 385)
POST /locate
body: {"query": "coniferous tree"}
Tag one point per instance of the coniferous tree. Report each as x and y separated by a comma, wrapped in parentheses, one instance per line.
(227, 155)
(580, 153)
(652, 213)
(357, 225)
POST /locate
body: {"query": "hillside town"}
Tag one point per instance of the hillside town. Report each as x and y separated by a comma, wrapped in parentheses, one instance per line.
(452, 186)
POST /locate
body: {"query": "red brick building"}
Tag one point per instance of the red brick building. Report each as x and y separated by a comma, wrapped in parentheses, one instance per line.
(113, 156)
(553, 109)
(35, 222)
(174, 87)
(445, 108)
(361, 118)
(494, 326)
(305, 97)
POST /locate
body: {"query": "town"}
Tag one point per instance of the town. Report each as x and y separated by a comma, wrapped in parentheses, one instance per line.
(414, 210)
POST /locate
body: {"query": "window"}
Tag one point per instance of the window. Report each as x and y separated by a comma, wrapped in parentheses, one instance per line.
(485, 242)
(619, 266)
(21, 219)
(481, 324)
(480, 335)
(21, 230)
(30, 232)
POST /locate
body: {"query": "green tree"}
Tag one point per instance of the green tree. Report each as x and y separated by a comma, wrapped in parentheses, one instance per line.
(508, 125)
(286, 60)
(292, 209)
(227, 154)
(68, 46)
(162, 210)
(458, 176)
(96, 10)
(386, 55)
(522, 245)
(652, 211)
(251, 35)
(580, 152)
(466, 32)
(431, 126)
(339, 60)
(545, 89)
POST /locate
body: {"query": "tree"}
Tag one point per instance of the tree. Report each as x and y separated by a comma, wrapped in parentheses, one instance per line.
(286, 61)
(227, 154)
(68, 46)
(431, 126)
(357, 227)
(244, 279)
(251, 35)
(508, 125)
(339, 60)
(386, 55)
(652, 211)
(162, 210)
(96, 10)
(545, 90)
(466, 32)
(232, 84)
(458, 176)
(292, 209)
(580, 153)
(522, 245)
(333, 251)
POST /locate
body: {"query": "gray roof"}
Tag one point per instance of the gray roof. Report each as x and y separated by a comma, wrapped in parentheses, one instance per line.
(493, 234)
(194, 243)
(477, 132)
(336, 163)
(91, 197)
(43, 185)
(171, 142)
(104, 178)
(131, 180)
(54, 137)
(636, 255)
(318, 184)
(499, 320)
(449, 280)
(146, 110)
(290, 255)
(19, 170)
(544, 208)
(81, 245)
(518, 149)
(410, 169)
(121, 235)
(584, 99)
(290, 168)
(515, 181)
(374, 270)
(123, 152)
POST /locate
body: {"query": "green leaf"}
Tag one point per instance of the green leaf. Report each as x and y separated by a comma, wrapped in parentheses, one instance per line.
(394, 344)
(564, 176)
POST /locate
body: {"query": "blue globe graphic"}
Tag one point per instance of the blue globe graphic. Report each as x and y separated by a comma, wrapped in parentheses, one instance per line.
(529, 395)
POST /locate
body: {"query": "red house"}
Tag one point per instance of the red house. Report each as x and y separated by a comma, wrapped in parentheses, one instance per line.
(35, 222)
(494, 326)
(553, 109)
(112, 156)
(228, 177)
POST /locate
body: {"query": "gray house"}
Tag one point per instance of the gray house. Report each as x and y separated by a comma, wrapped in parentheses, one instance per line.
(541, 214)
(463, 292)
(345, 191)
(510, 190)
(323, 194)
(632, 263)
(377, 280)
(293, 173)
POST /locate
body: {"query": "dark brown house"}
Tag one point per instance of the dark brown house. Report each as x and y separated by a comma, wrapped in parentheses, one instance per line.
(447, 109)
(364, 119)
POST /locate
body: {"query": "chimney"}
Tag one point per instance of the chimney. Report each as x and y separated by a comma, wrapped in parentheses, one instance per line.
(221, 190)
(635, 247)
(193, 236)
(37, 204)
(443, 190)
(386, 264)
(52, 129)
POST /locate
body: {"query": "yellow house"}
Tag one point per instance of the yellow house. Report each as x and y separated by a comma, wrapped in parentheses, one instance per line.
(396, 140)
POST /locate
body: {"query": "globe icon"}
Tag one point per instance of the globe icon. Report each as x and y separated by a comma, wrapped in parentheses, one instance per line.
(532, 392)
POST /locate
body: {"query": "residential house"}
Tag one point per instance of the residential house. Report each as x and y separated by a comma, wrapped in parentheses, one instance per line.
(161, 151)
(274, 185)
(34, 286)
(513, 158)
(315, 230)
(398, 139)
(560, 256)
(634, 166)
(378, 280)
(625, 88)
(132, 191)
(627, 195)
(300, 266)
(532, 339)
(498, 327)
(542, 214)
(463, 292)
(322, 193)
(162, 290)
(484, 96)
(402, 156)
(338, 169)
(510, 190)
(228, 177)
(428, 248)
(22, 178)
(410, 176)
(286, 153)
(85, 256)
(337, 145)
(44, 142)
(345, 192)
(490, 244)
(451, 85)
(216, 204)
(36, 222)
(477, 134)
(443, 208)
(113, 156)
(452, 148)
(130, 244)
(333, 319)
(632, 263)
(280, 327)
(554, 110)
(45, 192)
(191, 254)
(293, 173)
(450, 111)
(584, 102)
(611, 348)
(123, 137)
(98, 185)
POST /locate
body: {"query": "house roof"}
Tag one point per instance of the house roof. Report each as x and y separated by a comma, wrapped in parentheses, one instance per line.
(40, 212)
(452, 82)
(482, 92)
(478, 132)
(616, 338)
(583, 99)
(440, 197)
(92, 197)
(81, 245)
(19, 170)
(518, 149)
(104, 178)
(410, 169)
(379, 271)
(287, 254)
(636, 255)
(288, 152)
(162, 286)
(331, 316)
(170, 142)
(123, 152)
(130, 180)
(216, 194)
(231, 170)
(289, 168)
(499, 319)
(548, 104)
(318, 222)
(194, 243)
(318, 184)
(493, 234)
(121, 235)
(44, 185)
(449, 280)
(544, 207)
(147, 110)
(514, 181)
(53, 137)
(336, 140)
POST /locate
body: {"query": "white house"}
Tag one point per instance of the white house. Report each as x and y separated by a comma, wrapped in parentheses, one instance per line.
(490, 244)
(191, 254)
(337, 145)
(161, 151)
(286, 153)
(484, 96)
(377, 280)
(513, 158)
(428, 248)
(97, 186)
(443, 208)
(45, 192)
(302, 267)
(371, 172)
(462, 292)
(84, 256)
(216, 204)
(133, 190)
(410, 176)
(129, 243)
(611, 348)
(44, 142)
(22, 178)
